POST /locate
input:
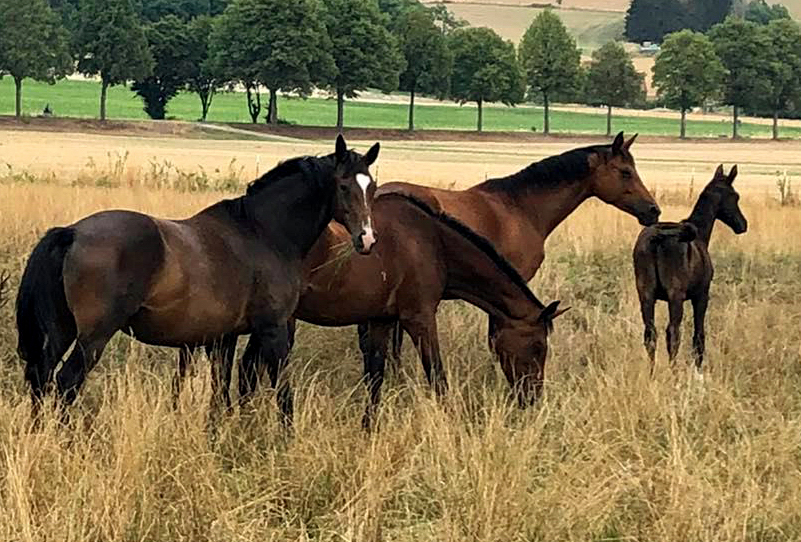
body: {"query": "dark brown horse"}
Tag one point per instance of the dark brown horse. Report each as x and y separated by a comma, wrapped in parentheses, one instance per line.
(517, 213)
(423, 257)
(235, 267)
(672, 263)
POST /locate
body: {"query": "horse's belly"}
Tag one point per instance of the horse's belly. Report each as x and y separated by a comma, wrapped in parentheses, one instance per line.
(184, 326)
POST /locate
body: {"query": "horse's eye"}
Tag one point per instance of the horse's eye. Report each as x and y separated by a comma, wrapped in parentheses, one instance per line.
(343, 188)
(625, 173)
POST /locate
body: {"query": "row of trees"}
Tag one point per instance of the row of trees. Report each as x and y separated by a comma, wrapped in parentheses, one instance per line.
(746, 65)
(294, 46)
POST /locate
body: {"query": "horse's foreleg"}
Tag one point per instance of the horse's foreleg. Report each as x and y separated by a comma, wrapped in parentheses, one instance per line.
(374, 341)
(274, 348)
(422, 328)
(184, 359)
(221, 357)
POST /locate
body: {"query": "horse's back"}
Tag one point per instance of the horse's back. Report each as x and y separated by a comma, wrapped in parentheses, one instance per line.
(669, 259)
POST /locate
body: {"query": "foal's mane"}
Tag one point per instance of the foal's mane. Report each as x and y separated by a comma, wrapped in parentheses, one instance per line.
(482, 243)
(550, 172)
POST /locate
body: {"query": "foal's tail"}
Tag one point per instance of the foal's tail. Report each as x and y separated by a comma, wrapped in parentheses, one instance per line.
(42, 305)
(683, 232)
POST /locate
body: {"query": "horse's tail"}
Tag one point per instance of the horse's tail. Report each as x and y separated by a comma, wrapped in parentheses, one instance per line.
(42, 306)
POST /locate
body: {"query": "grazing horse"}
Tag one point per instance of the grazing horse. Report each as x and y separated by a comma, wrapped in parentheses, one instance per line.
(518, 212)
(235, 267)
(424, 256)
(672, 263)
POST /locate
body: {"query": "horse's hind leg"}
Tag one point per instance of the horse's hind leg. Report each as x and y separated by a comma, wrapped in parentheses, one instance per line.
(699, 314)
(39, 371)
(374, 338)
(87, 351)
(676, 313)
(647, 306)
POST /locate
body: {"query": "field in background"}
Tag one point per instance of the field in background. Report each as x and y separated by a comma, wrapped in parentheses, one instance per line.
(608, 455)
(590, 28)
(81, 99)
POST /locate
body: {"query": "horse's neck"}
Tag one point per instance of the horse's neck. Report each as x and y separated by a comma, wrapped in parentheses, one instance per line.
(703, 215)
(545, 207)
(476, 278)
(293, 213)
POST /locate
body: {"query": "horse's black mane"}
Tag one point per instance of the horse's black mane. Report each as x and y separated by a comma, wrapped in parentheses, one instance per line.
(568, 167)
(312, 169)
(478, 240)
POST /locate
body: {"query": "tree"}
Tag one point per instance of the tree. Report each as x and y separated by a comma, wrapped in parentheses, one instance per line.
(549, 58)
(201, 77)
(445, 20)
(743, 48)
(612, 80)
(652, 20)
(169, 43)
(758, 11)
(111, 43)
(365, 52)
(484, 69)
(279, 44)
(687, 72)
(32, 44)
(783, 68)
(154, 10)
(428, 60)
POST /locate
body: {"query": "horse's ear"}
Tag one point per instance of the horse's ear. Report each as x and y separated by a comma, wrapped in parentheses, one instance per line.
(372, 154)
(551, 312)
(627, 145)
(719, 174)
(341, 148)
(733, 174)
(617, 144)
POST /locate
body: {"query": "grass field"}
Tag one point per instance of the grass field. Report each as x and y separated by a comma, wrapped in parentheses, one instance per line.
(81, 99)
(591, 29)
(609, 454)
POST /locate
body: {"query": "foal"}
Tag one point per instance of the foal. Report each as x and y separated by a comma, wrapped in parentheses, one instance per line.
(672, 263)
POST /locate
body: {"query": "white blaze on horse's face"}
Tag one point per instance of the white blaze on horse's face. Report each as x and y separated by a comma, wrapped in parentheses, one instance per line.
(368, 236)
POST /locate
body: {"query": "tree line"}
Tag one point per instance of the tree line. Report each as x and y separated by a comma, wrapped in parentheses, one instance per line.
(271, 47)
(751, 63)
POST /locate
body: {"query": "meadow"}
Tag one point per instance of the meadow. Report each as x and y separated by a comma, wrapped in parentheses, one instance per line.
(609, 454)
(80, 99)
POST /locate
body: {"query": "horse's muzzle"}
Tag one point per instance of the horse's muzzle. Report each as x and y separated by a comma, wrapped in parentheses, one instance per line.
(648, 214)
(364, 241)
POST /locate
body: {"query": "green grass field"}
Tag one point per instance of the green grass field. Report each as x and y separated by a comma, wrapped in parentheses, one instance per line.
(81, 99)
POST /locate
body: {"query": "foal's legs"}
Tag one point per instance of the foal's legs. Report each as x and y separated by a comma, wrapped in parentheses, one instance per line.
(699, 314)
(676, 313)
(647, 305)
(374, 339)
(422, 328)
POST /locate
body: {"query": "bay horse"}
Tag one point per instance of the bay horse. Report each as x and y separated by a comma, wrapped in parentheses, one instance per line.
(424, 256)
(234, 267)
(672, 263)
(517, 213)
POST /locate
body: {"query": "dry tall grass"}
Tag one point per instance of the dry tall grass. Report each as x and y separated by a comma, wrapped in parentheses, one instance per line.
(609, 454)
